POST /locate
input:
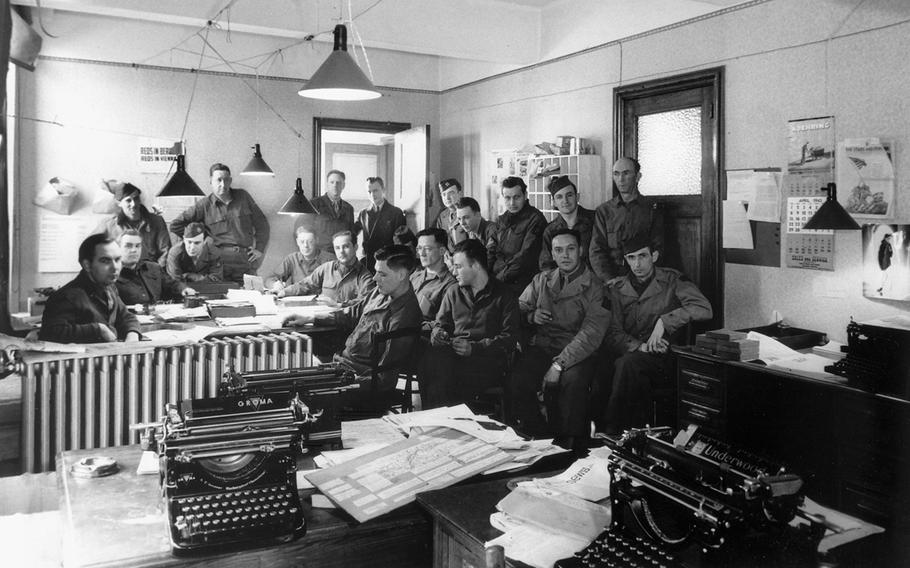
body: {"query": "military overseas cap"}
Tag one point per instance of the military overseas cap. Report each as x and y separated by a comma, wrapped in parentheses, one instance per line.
(122, 190)
(558, 183)
(193, 229)
(636, 242)
(447, 183)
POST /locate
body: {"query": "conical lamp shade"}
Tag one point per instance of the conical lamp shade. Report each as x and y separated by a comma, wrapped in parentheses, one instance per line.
(831, 215)
(339, 78)
(257, 166)
(298, 204)
(180, 184)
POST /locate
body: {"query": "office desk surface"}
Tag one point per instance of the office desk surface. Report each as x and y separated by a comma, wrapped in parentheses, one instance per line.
(120, 521)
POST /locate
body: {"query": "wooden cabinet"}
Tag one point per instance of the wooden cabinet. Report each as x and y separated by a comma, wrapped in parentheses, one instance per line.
(852, 447)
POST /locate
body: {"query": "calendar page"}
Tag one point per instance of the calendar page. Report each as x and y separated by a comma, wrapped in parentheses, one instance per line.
(810, 166)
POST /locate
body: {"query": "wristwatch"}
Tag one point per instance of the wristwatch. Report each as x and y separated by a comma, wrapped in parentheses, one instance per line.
(557, 366)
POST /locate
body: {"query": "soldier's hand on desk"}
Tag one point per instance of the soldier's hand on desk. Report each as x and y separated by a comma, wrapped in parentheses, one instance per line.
(297, 320)
(277, 287)
(107, 334)
(542, 317)
(253, 255)
(461, 346)
(132, 337)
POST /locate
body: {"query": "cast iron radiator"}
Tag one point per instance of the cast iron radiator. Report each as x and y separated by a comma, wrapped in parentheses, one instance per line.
(88, 400)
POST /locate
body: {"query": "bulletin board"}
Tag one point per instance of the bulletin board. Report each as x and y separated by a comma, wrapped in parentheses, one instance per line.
(754, 195)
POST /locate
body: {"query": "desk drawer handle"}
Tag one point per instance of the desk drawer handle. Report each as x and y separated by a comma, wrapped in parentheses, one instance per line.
(692, 375)
(699, 384)
(698, 413)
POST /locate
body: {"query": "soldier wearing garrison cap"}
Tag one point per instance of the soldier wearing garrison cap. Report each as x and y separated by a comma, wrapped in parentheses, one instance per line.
(571, 216)
(134, 215)
(195, 259)
(649, 305)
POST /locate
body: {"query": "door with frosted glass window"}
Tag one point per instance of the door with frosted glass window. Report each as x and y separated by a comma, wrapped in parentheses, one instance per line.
(673, 126)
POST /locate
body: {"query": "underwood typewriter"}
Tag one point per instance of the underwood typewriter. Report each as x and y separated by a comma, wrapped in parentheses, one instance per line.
(228, 470)
(734, 507)
(321, 389)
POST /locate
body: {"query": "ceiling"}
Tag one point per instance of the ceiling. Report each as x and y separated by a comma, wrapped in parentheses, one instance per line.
(485, 36)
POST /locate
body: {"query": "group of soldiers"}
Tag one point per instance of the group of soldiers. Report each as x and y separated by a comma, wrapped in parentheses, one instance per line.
(575, 314)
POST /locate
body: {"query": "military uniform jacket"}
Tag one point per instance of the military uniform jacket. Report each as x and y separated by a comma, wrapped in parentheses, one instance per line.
(294, 268)
(669, 296)
(489, 320)
(76, 312)
(579, 318)
(614, 222)
(207, 266)
(379, 313)
(327, 222)
(147, 283)
(335, 282)
(238, 223)
(152, 228)
(378, 232)
(514, 248)
(429, 289)
(447, 220)
(584, 224)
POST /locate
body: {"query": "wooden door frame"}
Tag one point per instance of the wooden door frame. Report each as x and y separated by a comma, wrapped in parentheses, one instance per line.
(319, 123)
(713, 78)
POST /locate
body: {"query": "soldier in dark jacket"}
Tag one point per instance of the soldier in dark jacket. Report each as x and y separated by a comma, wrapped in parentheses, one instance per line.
(134, 215)
(142, 281)
(378, 222)
(514, 248)
(88, 309)
(571, 216)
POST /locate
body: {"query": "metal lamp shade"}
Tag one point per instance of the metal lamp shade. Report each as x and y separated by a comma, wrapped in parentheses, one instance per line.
(257, 166)
(298, 204)
(180, 184)
(831, 215)
(339, 78)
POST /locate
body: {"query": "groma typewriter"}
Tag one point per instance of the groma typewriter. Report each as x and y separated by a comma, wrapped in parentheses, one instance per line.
(321, 389)
(228, 470)
(693, 493)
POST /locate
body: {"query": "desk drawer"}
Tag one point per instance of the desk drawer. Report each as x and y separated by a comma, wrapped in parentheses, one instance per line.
(702, 385)
(700, 366)
(692, 412)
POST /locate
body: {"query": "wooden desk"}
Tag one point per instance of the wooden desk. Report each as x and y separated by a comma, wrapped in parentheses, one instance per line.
(119, 521)
(851, 446)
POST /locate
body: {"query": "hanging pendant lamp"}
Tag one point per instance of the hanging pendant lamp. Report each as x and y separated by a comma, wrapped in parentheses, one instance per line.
(257, 166)
(180, 184)
(831, 215)
(298, 204)
(339, 78)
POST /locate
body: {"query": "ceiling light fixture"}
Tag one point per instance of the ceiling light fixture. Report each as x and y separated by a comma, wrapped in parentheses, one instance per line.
(257, 166)
(831, 215)
(180, 184)
(298, 204)
(339, 78)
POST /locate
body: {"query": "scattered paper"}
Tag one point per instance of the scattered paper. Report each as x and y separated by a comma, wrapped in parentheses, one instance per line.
(176, 312)
(357, 433)
(330, 458)
(178, 336)
(264, 303)
(770, 349)
(148, 464)
(555, 511)
(587, 478)
(841, 528)
(532, 545)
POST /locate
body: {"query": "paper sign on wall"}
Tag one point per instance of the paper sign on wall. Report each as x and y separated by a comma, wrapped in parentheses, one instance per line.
(157, 156)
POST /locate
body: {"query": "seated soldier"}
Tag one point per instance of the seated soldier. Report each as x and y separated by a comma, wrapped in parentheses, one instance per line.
(648, 306)
(142, 281)
(471, 222)
(88, 309)
(475, 329)
(344, 280)
(194, 259)
(391, 305)
(565, 306)
(300, 264)
(431, 281)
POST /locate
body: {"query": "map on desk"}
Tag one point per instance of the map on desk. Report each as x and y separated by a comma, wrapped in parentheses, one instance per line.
(391, 477)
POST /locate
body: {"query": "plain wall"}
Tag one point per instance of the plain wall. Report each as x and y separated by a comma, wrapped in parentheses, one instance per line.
(783, 60)
(105, 109)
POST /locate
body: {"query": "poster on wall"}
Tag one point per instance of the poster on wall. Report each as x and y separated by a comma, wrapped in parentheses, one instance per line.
(810, 166)
(58, 250)
(865, 178)
(156, 156)
(886, 262)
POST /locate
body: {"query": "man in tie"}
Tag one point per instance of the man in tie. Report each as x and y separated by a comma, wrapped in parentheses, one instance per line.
(88, 309)
(333, 214)
(471, 222)
(377, 223)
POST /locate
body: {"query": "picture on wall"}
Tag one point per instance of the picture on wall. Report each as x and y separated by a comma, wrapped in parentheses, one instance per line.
(886, 262)
(865, 178)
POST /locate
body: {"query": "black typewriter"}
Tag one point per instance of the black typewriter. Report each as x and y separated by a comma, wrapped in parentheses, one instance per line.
(616, 547)
(320, 389)
(878, 359)
(228, 471)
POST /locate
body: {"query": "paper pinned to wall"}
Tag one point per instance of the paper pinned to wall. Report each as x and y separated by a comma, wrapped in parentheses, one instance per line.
(737, 232)
(58, 251)
(761, 190)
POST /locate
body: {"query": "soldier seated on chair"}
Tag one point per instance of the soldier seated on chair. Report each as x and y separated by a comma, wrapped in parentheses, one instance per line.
(475, 329)
(390, 306)
(564, 305)
(647, 306)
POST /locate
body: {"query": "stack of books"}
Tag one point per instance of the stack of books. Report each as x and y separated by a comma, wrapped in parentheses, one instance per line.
(726, 344)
